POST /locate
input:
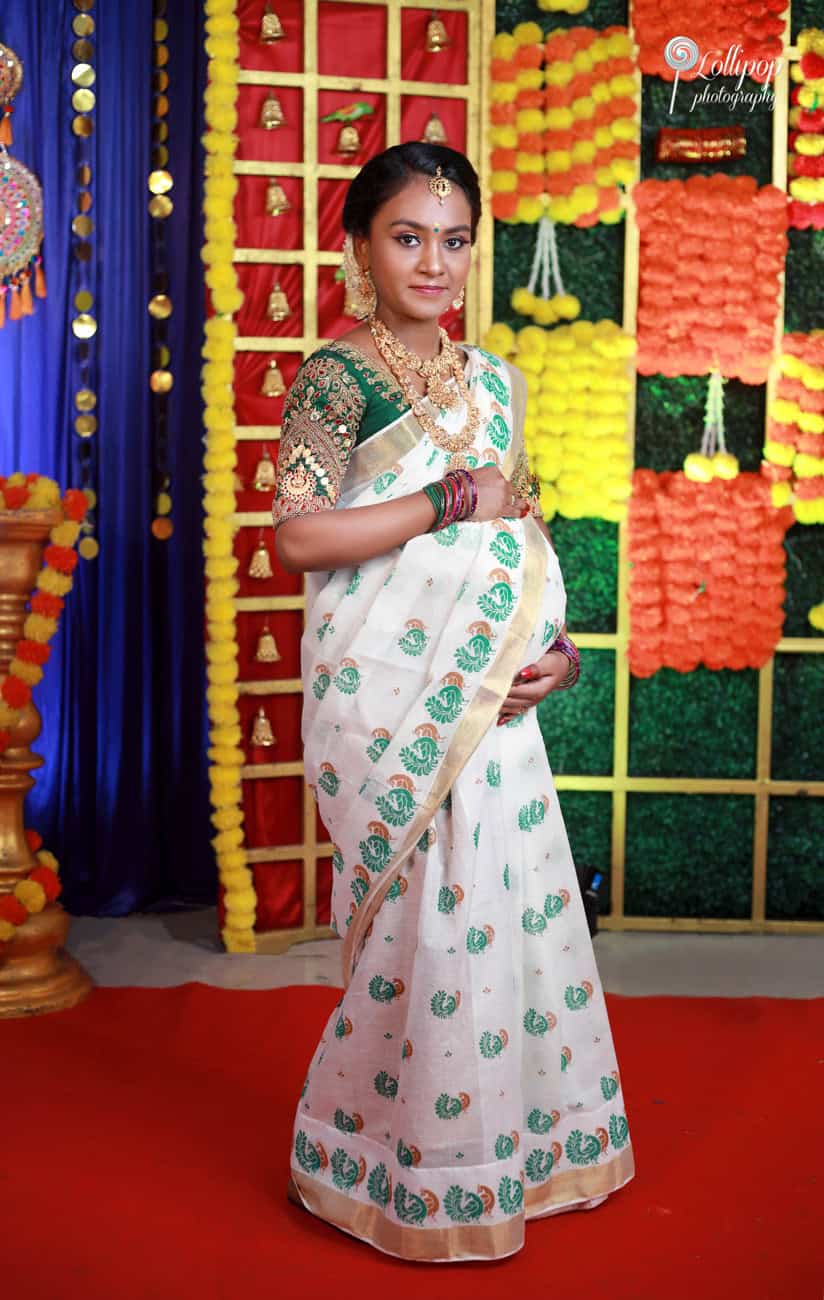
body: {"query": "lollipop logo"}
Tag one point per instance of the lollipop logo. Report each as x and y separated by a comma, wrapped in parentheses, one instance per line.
(681, 54)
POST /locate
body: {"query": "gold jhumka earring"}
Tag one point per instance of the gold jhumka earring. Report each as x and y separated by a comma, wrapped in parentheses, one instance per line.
(360, 287)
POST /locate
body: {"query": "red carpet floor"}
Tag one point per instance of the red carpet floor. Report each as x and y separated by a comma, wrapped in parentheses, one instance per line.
(146, 1137)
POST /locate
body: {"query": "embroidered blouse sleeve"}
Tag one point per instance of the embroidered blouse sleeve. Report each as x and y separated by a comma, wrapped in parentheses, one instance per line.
(321, 417)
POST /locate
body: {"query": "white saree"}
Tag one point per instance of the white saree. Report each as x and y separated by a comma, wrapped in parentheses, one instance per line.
(467, 1081)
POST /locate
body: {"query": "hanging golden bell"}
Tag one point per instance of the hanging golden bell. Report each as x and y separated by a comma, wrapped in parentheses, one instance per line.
(436, 37)
(271, 28)
(273, 385)
(264, 473)
(276, 200)
(262, 729)
(434, 131)
(348, 141)
(278, 307)
(271, 113)
(267, 649)
(260, 566)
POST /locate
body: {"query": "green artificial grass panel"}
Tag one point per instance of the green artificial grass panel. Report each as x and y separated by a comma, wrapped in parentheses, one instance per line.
(688, 855)
(588, 819)
(587, 551)
(699, 724)
(750, 112)
(798, 718)
(795, 860)
(805, 276)
(804, 544)
(805, 13)
(599, 13)
(670, 420)
(577, 725)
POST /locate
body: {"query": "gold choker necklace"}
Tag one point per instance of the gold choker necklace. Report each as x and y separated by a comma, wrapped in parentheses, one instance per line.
(437, 372)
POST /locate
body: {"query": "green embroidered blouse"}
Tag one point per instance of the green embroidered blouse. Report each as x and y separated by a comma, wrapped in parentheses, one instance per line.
(339, 398)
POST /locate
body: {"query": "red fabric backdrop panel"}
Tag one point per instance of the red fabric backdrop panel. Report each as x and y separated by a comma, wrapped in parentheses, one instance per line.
(323, 912)
(280, 144)
(372, 129)
(417, 110)
(273, 811)
(280, 584)
(279, 889)
(321, 833)
(255, 228)
(331, 295)
(250, 406)
(331, 198)
(286, 626)
(448, 66)
(256, 282)
(351, 40)
(280, 56)
(284, 713)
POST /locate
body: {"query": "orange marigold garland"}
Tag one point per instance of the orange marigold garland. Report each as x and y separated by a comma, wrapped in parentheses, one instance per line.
(711, 254)
(794, 450)
(33, 492)
(707, 572)
(752, 32)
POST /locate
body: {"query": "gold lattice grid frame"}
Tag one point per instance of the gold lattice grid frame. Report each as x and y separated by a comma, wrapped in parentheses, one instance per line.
(478, 316)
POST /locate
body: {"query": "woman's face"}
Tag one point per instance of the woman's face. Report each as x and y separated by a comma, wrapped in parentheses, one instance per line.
(418, 250)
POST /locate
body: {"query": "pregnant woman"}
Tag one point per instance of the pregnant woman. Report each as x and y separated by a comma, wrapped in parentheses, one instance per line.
(467, 1080)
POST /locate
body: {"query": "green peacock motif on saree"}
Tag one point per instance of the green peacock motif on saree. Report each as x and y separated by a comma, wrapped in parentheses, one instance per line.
(375, 851)
(426, 840)
(447, 536)
(532, 814)
(446, 706)
(576, 998)
(506, 549)
(378, 1186)
(345, 1170)
(618, 1131)
(406, 1156)
(474, 656)
(553, 906)
(497, 603)
(538, 1165)
(326, 626)
(476, 834)
(479, 940)
(491, 1045)
(378, 747)
(321, 685)
(539, 1121)
(360, 888)
(337, 860)
(408, 1207)
(582, 1148)
(415, 639)
(496, 386)
(447, 899)
(384, 990)
(507, 879)
(354, 583)
(609, 1087)
(461, 1205)
(498, 431)
(347, 1123)
(385, 1084)
(493, 774)
(443, 1004)
(383, 481)
(421, 757)
(535, 1023)
(347, 678)
(532, 922)
(447, 1107)
(309, 1157)
(510, 1194)
(397, 807)
(504, 1146)
(550, 633)
(330, 783)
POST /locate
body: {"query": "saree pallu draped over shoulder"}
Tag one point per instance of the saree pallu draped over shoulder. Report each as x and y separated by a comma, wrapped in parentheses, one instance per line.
(467, 1081)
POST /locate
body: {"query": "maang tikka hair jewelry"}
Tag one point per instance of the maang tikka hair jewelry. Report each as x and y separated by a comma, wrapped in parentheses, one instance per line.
(440, 185)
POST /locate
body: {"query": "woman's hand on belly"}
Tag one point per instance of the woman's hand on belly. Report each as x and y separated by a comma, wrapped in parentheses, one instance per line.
(533, 683)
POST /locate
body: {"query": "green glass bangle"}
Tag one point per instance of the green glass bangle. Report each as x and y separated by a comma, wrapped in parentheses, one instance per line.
(437, 497)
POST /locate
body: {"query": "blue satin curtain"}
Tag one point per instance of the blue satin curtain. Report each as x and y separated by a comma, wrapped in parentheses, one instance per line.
(123, 797)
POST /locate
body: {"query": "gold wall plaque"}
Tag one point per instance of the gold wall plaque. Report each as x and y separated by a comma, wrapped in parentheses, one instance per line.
(160, 206)
(83, 74)
(82, 126)
(83, 300)
(160, 182)
(82, 25)
(85, 399)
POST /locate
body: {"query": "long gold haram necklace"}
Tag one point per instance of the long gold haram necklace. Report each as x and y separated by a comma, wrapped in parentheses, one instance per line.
(400, 360)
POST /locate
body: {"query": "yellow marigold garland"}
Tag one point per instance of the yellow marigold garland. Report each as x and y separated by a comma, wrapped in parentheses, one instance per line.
(575, 431)
(225, 752)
